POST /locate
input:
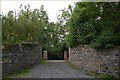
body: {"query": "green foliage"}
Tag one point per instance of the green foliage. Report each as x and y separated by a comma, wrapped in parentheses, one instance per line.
(26, 26)
(96, 44)
(95, 24)
(42, 61)
(104, 40)
(21, 72)
(34, 26)
(104, 76)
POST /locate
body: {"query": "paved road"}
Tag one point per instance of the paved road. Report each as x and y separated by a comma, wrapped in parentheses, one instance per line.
(53, 70)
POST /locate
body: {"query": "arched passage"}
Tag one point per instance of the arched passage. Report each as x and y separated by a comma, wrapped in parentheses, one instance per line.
(53, 56)
(56, 56)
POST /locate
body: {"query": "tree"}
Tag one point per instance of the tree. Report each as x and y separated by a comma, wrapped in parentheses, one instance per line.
(26, 26)
(92, 24)
(34, 26)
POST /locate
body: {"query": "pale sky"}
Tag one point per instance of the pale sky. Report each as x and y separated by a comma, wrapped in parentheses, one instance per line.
(52, 7)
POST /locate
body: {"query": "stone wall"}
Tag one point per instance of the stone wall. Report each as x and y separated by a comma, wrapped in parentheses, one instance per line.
(15, 57)
(97, 61)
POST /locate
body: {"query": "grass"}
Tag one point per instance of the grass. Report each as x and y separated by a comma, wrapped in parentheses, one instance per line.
(72, 65)
(42, 61)
(21, 72)
(103, 76)
(100, 76)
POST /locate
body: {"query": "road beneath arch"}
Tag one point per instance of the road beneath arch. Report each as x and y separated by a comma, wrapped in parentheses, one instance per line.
(53, 70)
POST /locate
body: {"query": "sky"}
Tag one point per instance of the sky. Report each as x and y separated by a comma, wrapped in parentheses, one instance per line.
(52, 7)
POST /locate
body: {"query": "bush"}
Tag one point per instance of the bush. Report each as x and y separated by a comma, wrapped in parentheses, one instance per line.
(96, 45)
(108, 46)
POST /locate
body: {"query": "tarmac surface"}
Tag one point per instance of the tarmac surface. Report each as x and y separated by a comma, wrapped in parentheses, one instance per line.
(53, 70)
